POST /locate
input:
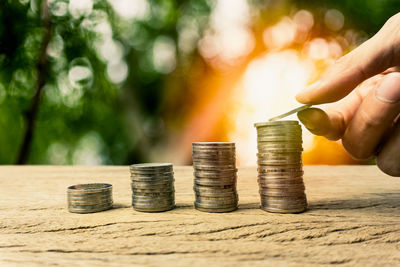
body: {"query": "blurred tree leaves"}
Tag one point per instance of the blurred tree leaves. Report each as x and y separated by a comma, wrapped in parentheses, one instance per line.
(105, 94)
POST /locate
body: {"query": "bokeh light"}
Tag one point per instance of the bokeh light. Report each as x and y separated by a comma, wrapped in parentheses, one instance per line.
(138, 80)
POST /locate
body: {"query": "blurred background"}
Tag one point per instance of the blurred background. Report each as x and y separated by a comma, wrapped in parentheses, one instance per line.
(125, 81)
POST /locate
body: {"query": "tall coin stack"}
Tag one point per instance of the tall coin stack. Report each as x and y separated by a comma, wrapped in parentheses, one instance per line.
(215, 176)
(88, 198)
(152, 187)
(280, 168)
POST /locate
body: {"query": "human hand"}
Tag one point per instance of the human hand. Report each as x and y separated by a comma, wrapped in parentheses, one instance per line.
(367, 83)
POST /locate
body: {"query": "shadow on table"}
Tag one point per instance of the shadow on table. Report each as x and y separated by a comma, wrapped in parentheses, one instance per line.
(383, 203)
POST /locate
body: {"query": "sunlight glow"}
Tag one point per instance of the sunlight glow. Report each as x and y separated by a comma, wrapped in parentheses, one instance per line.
(267, 89)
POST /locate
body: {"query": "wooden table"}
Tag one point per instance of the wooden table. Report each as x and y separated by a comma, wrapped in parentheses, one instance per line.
(354, 219)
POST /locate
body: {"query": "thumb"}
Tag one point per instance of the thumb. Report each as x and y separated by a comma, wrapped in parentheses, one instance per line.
(372, 57)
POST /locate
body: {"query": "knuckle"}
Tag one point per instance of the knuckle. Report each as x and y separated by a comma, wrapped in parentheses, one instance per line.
(394, 20)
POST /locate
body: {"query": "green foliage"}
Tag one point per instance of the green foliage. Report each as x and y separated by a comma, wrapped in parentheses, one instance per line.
(104, 90)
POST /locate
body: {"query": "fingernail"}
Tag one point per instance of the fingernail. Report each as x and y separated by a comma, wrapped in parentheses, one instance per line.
(389, 90)
(305, 120)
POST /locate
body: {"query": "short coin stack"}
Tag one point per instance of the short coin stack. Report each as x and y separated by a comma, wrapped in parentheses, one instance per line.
(280, 168)
(152, 187)
(89, 198)
(215, 175)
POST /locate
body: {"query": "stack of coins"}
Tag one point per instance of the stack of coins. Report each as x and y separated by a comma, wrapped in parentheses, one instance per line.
(215, 176)
(88, 198)
(152, 187)
(280, 168)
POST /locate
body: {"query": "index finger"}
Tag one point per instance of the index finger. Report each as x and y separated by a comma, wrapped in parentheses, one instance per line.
(372, 57)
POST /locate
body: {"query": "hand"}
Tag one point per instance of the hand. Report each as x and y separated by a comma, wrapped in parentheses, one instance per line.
(367, 80)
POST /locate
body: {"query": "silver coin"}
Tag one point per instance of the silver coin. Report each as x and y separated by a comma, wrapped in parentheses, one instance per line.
(282, 138)
(154, 209)
(215, 176)
(149, 175)
(89, 209)
(151, 166)
(296, 158)
(213, 144)
(153, 194)
(281, 193)
(89, 202)
(225, 168)
(216, 194)
(214, 152)
(278, 149)
(89, 188)
(279, 155)
(283, 204)
(293, 111)
(153, 200)
(158, 187)
(213, 210)
(143, 204)
(220, 171)
(214, 182)
(223, 187)
(275, 123)
(276, 162)
(147, 204)
(264, 182)
(278, 210)
(283, 187)
(213, 161)
(296, 131)
(214, 206)
(153, 180)
(295, 127)
(203, 198)
(101, 195)
(279, 143)
(159, 190)
(281, 168)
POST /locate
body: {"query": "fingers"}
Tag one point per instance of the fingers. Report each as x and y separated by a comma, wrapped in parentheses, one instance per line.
(373, 118)
(332, 122)
(372, 57)
(317, 121)
(388, 159)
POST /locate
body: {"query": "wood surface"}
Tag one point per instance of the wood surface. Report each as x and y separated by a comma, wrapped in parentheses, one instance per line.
(353, 219)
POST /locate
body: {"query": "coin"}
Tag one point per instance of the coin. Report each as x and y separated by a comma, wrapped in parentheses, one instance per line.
(88, 198)
(290, 113)
(213, 144)
(278, 210)
(215, 175)
(216, 194)
(224, 188)
(214, 182)
(280, 171)
(152, 166)
(152, 187)
(215, 206)
(153, 209)
(215, 210)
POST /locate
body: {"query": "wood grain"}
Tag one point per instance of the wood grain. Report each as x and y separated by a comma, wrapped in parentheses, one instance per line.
(354, 219)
